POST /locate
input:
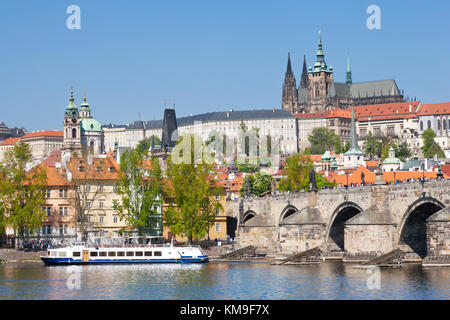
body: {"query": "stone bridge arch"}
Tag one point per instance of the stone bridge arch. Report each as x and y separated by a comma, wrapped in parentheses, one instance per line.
(411, 231)
(334, 234)
(286, 212)
(249, 214)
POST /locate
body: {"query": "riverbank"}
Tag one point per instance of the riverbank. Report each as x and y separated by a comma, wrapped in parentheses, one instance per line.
(13, 256)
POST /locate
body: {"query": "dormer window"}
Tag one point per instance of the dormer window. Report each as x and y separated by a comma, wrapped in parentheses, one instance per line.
(81, 168)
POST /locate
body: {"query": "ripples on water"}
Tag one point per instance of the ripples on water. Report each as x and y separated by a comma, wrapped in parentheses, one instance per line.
(329, 280)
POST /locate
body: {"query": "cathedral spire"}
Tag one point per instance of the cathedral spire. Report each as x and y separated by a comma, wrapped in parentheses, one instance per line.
(304, 79)
(289, 98)
(348, 76)
(320, 64)
(289, 67)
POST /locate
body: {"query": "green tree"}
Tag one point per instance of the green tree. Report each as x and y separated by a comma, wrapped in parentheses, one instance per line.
(146, 143)
(337, 146)
(192, 191)
(257, 184)
(322, 139)
(346, 147)
(401, 150)
(141, 189)
(371, 145)
(22, 191)
(295, 172)
(430, 148)
(385, 152)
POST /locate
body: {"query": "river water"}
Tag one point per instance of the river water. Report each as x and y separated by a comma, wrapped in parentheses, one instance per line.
(329, 280)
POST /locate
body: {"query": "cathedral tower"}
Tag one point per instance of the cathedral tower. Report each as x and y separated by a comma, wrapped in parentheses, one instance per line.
(289, 98)
(320, 80)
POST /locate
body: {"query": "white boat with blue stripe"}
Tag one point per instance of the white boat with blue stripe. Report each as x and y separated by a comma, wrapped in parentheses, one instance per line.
(81, 253)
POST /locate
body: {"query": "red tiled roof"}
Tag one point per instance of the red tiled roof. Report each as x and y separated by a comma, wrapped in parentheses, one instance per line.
(9, 141)
(339, 113)
(383, 110)
(446, 169)
(54, 157)
(316, 115)
(46, 133)
(434, 108)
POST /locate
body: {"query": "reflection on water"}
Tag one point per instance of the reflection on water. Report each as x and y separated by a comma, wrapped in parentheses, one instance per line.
(329, 280)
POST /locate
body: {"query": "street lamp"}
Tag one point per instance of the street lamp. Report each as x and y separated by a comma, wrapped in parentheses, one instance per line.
(394, 176)
(423, 173)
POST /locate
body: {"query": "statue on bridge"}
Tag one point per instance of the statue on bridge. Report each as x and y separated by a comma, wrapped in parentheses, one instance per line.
(312, 181)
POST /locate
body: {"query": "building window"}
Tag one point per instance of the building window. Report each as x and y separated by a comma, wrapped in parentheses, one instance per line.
(66, 209)
(421, 125)
(74, 133)
(60, 193)
(60, 211)
(115, 219)
(65, 229)
(217, 227)
(48, 194)
(101, 188)
(65, 193)
(61, 230)
(102, 219)
(49, 229)
(217, 212)
(100, 204)
(429, 124)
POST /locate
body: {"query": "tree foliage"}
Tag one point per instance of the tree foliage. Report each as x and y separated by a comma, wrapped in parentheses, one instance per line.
(430, 148)
(141, 189)
(295, 172)
(146, 143)
(322, 139)
(22, 191)
(257, 184)
(192, 192)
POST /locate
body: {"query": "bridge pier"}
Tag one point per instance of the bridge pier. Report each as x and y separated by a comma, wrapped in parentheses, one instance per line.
(438, 239)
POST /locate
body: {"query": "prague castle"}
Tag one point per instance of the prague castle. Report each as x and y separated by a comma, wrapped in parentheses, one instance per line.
(318, 91)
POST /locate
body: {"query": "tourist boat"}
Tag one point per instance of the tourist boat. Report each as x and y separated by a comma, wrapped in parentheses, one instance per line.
(81, 253)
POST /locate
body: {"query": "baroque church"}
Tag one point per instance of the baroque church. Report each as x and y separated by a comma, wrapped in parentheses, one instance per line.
(82, 133)
(318, 91)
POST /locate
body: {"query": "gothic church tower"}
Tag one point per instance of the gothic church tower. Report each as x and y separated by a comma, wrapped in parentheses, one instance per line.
(289, 98)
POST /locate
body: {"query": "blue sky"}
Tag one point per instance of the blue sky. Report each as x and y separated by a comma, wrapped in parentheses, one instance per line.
(205, 55)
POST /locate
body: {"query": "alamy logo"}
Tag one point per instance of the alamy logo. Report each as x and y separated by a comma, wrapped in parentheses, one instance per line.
(74, 20)
(374, 20)
(74, 280)
(374, 280)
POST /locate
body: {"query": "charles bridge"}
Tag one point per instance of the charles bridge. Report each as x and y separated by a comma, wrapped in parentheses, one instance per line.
(353, 224)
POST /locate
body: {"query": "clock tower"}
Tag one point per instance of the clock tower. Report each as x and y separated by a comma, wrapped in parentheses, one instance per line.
(72, 128)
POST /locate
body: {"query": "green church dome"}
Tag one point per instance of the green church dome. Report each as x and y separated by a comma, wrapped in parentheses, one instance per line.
(90, 124)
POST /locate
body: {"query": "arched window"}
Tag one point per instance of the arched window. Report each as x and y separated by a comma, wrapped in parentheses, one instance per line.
(429, 124)
(421, 125)
(316, 90)
(444, 124)
(439, 124)
(91, 147)
(74, 133)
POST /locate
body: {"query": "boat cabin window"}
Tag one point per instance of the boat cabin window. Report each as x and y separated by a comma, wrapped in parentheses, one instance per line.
(139, 253)
(103, 254)
(94, 253)
(76, 254)
(148, 253)
(158, 254)
(111, 254)
(53, 253)
(130, 253)
(120, 253)
(62, 254)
